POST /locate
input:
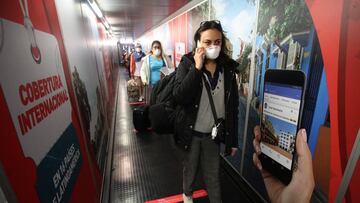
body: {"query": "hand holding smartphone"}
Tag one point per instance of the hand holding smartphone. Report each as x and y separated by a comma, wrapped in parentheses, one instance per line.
(199, 56)
(280, 121)
(303, 177)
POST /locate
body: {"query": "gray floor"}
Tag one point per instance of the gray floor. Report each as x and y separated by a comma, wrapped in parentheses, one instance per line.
(146, 166)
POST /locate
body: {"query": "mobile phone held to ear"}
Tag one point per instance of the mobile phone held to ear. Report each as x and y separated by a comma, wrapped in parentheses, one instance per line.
(198, 46)
(283, 100)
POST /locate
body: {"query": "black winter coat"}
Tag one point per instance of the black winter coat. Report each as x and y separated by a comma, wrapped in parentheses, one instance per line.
(187, 93)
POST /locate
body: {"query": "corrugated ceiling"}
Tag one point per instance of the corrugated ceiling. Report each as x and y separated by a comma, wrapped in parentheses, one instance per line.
(132, 18)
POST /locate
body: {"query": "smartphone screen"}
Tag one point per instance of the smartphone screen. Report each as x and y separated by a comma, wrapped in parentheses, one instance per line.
(280, 119)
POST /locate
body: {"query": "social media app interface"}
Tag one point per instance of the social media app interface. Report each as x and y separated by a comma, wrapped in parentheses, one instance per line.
(281, 107)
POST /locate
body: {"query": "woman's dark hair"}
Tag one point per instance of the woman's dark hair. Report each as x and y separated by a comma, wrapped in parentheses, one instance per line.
(213, 24)
(156, 42)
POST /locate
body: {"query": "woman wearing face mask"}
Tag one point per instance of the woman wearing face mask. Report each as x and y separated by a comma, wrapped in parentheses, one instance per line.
(206, 71)
(153, 63)
(135, 67)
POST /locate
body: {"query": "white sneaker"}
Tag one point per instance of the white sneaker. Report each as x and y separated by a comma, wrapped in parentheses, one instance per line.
(187, 199)
(141, 99)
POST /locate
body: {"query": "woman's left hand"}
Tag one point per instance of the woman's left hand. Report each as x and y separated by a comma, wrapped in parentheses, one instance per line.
(233, 151)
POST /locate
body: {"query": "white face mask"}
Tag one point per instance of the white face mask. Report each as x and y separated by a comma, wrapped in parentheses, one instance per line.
(212, 52)
(138, 49)
(157, 52)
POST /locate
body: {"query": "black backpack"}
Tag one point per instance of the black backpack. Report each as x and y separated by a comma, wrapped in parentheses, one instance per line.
(162, 105)
(162, 91)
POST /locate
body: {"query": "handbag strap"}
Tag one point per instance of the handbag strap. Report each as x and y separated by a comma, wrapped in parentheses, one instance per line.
(207, 87)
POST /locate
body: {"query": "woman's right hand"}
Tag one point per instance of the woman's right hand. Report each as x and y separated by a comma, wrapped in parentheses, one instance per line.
(199, 57)
(302, 177)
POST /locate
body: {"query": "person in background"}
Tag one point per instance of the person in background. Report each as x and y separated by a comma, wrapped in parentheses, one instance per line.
(302, 183)
(136, 61)
(208, 64)
(151, 68)
(127, 61)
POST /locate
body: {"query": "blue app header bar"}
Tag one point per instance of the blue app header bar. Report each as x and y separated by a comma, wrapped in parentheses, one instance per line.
(289, 91)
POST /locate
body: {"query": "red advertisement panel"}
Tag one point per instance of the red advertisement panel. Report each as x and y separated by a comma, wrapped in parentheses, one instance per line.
(340, 44)
(42, 150)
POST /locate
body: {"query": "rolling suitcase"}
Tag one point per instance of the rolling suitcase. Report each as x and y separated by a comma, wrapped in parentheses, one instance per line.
(141, 118)
(133, 90)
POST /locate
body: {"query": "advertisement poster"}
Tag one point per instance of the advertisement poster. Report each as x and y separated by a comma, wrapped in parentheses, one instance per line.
(106, 47)
(238, 20)
(36, 110)
(285, 39)
(81, 40)
(196, 15)
(179, 51)
(100, 54)
(38, 100)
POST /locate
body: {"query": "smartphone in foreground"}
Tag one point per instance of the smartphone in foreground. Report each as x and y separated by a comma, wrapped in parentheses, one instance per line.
(282, 106)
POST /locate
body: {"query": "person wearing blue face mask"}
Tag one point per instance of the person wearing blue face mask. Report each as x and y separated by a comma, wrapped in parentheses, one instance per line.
(135, 67)
(206, 90)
